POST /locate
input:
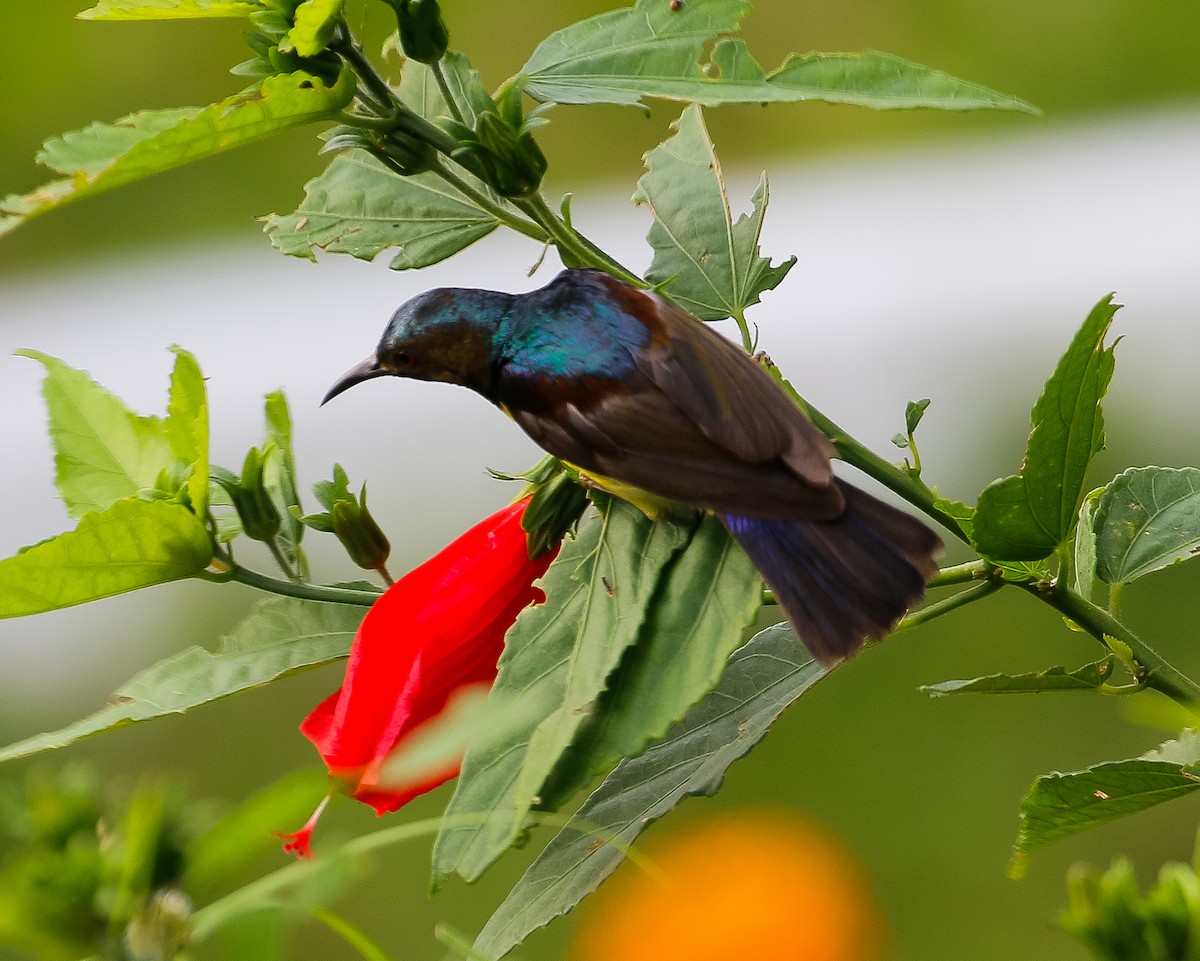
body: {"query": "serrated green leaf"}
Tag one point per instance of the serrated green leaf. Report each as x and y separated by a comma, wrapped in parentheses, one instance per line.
(1058, 678)
(359, 207)
(129, 545)
(1026, 516)
(313, 26)
(186, 425)
(1147, 518)
(103, 451)
(654, 50)
(766, 675)
(559, 656)
(594, 60)
(279, 637)
(709, 265)
(169, 9)
(708, 597)
(279, 480)
(139, 146)
(1059, 805)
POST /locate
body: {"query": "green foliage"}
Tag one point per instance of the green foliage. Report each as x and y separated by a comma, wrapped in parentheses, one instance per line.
(1027, 516)
(103, 157)
(559, 656)
(707, 263)
(279, 637)
(1147, 518)
(169, 9)
(762, 679)
(654, 50)
(1059, 805)
(643, 618)
(1086, 678)
(1116, 922)
(130, 545)
(359, 207)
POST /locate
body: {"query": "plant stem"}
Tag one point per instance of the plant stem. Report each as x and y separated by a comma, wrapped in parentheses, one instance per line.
(439, 73)
(570, 241)
(273, 546)
(1155, 672)
(959, 574)
(871, 464)
(484, 202)
(945, 606)
(308, 592)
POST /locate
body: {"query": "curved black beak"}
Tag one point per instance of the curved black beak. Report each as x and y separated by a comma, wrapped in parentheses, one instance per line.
(368, 369)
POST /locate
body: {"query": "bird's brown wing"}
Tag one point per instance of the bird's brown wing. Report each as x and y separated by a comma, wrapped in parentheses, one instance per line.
(695, 421)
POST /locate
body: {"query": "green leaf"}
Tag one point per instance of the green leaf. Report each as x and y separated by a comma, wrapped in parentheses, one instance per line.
(652, 50)
(1147, 518)
(707, 598)
(558, 656)
(1059, 805)
(708, 264)
(279, 480)
(103, 451)
(1058, 678)
(139, 146)
(313, 26)
(763, 677)
(604, 59)
(169, 9)
(359, 207)
(131, 544)
(279, 637)
(186, 425)
(1026, 516)
(914, 410)
(421, 92)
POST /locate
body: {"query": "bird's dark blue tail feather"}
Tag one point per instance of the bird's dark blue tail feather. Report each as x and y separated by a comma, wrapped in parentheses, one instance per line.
(845, 580)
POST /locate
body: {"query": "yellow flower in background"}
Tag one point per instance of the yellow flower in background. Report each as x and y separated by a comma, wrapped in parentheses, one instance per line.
(754, 885)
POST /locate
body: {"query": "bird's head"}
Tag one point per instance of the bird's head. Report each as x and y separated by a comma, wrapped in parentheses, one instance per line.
(448, 335)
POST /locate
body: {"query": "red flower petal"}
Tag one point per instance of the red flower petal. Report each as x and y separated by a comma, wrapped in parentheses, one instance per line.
(437, 629)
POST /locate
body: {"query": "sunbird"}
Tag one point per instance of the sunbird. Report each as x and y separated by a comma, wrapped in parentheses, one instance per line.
(645, 399)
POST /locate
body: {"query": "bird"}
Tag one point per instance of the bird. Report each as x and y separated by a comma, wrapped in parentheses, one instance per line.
(640, 396)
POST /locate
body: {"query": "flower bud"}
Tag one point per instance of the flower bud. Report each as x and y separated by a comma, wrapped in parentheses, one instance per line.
(258, 513)
(362, 537)
(423, 34)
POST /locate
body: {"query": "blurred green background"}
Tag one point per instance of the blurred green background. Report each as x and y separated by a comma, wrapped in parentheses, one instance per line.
(925, 791)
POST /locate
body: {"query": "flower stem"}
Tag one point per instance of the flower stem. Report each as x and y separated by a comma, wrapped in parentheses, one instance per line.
(308, 592)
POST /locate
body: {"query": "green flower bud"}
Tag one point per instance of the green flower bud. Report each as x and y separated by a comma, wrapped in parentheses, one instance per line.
(347, 517)
(359, 533)
(258, 513)
(555, 508)
(517, 161)
(423, 34)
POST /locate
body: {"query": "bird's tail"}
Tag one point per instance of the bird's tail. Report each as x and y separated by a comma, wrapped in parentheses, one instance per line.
(845, 580)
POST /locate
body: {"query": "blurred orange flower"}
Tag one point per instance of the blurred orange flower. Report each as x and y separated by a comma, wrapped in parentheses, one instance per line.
(754, 885)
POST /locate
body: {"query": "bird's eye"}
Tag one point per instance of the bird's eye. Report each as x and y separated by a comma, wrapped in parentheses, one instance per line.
(403, 359)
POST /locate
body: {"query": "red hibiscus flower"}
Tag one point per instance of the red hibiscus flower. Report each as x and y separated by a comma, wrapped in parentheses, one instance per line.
(437, 630)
